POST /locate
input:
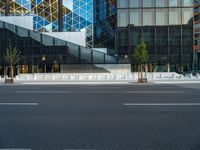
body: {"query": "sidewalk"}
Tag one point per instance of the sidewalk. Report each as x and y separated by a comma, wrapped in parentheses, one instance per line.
(100, 82)
(102, 78)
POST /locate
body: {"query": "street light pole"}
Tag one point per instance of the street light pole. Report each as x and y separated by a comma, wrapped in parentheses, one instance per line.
(44, 60)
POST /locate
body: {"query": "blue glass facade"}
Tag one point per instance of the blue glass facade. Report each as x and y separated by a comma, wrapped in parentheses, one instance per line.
(77, 16)
(97, 17)
(105, 16)
(49, 16)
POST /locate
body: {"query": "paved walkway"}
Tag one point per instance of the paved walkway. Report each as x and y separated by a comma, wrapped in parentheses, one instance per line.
(50, 82)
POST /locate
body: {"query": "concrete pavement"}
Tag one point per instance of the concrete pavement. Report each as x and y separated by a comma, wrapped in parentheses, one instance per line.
(111, 82)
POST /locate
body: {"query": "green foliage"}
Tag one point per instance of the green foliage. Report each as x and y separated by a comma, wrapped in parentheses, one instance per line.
(12, 56)
(141, 53)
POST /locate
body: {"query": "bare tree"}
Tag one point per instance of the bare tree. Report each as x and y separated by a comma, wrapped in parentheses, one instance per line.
(12, 57)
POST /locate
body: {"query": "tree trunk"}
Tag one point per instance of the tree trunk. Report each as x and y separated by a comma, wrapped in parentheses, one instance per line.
(141, 69)
(6, 72)
(12, 72)
(146, 70)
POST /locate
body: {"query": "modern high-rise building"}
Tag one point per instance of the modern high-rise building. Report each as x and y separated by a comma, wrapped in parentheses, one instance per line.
(165, 25)
(196, 56)
(101, 32)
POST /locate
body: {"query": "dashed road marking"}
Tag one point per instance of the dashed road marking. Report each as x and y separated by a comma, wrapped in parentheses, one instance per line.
(161, 104)
(13, 149)
(155, 92)
(43, 92)
(80, 149)
(19, 104)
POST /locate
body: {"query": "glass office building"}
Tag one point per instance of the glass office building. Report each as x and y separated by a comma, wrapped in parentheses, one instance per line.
(97, 17)
(165, 25)
(105, 21)
(196, 55)
(170, 29)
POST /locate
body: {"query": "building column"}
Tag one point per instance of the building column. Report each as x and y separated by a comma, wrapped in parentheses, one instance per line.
(198, 60)
(60, 2)
(168, 67)
(7, 7)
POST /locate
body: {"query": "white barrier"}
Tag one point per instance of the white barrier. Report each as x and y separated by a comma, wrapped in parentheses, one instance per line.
(102, 76)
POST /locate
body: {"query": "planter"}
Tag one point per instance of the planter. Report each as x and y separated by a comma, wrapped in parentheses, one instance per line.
(9, 81)
(142, 80)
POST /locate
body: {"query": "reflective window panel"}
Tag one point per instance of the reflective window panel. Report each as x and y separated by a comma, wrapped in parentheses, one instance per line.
(122, 18)
(135, 17)
(161, 17)
(135, 3)
(174, 3)
(148, 3)
(148, 17)
(174, 16)
(161, 3)
(123, 3)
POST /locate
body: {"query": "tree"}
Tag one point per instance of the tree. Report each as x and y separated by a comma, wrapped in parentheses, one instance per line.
(141, 55)
(12, 57)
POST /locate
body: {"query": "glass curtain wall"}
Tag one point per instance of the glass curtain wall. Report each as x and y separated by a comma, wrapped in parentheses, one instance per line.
(96, 17)
(104, 23)
(43, 53)
(55, 15)
(2, 7)
(196, 52)
(165, 25)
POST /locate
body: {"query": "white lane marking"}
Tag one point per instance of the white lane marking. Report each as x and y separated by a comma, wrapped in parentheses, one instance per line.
(43, 92)
(161, 104)
(75, 83)
(20, 104)
(92, 85)
(13, 149)
(22, 87)
(155, 92)
(80, 149)
(107, 87)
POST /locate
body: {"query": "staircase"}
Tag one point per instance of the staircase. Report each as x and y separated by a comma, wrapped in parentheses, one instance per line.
(79, 54)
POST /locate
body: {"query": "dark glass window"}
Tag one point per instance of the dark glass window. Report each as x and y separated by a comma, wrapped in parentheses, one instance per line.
(149, 35)
(123, 37)
(135, 35)
(175, 35)
(161, 49)
(188, 2)
(187, 35)
(161, 35)
(174, 49)
(196, 1)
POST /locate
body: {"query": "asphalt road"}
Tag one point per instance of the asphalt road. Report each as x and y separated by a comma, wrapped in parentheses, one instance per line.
(100, 117)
